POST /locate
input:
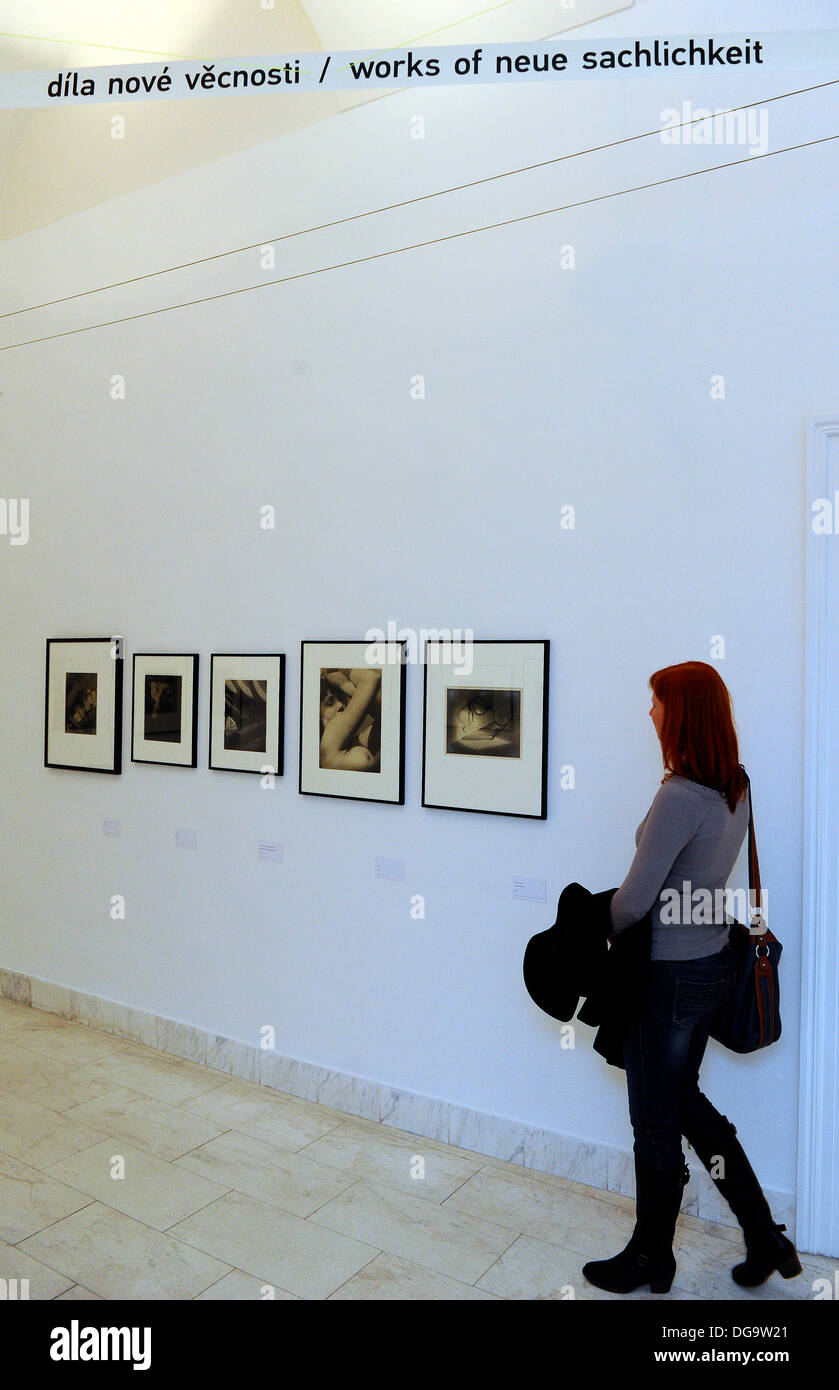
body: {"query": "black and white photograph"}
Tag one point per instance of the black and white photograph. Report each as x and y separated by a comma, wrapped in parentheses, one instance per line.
(164, 718)
(245, 721)
(352, 720)
(483, 723)
(83, 704)
(485, 727)
(80, 702)
(162, 723)
(247, 701)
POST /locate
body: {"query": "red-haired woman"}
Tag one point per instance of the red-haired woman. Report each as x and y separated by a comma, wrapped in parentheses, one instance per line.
(688, 841)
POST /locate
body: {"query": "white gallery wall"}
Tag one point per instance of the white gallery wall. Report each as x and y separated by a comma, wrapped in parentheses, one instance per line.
(544, 386)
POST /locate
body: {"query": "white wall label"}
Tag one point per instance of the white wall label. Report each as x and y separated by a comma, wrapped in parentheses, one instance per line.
(270, 851)
(186, 839)
(390, 868)
(112, 827)
(530, 890)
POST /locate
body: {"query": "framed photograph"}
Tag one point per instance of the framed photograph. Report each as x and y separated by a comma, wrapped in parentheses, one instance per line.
(164, 720)
(83, 713)
(247, 701)
(352, 720)
(485, 727)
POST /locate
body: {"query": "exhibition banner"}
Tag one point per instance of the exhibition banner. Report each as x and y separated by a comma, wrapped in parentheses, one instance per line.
(560, 60)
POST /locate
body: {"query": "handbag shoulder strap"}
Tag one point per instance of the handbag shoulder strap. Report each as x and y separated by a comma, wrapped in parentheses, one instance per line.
(757, 925)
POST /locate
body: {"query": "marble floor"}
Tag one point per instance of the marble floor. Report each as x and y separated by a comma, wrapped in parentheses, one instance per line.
(126, 1173)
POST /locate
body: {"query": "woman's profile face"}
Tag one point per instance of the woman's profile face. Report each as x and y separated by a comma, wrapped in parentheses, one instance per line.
(330, 705)
(657, 714)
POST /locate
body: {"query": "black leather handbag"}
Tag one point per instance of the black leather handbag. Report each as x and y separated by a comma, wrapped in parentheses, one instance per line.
(750, 1017)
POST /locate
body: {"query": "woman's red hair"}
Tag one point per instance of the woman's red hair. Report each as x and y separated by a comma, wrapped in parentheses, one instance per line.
(698, 737)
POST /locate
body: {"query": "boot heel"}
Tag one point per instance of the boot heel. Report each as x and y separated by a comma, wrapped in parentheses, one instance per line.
(660, 1285)
(789, 1266)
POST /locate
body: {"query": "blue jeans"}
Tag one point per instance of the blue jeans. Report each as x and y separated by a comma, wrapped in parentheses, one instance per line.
(663, 1048)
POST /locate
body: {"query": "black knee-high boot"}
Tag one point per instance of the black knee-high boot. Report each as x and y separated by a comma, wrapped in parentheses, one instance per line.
(648, 1258)
(714, 1138)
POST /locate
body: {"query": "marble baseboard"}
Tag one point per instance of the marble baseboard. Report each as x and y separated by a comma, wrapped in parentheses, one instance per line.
(17, 988)
(546, 1151)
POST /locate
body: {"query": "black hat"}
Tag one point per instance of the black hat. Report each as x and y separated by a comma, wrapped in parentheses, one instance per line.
(550, 965)
(557, 962)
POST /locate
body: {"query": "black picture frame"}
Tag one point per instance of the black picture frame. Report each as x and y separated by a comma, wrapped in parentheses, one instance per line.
(106, 658)
(542, 762)
(188, 743)
(259, 658)
(397, 691)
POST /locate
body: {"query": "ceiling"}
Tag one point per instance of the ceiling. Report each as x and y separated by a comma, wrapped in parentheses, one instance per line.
(56, 162)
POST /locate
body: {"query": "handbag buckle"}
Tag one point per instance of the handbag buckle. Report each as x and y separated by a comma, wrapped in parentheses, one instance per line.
(757, 926)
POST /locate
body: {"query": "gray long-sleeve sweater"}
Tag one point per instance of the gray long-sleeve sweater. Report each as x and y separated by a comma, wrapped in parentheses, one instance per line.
(688, 837)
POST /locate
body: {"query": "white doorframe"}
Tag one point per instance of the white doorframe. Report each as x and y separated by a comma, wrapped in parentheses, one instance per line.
(817, 1182)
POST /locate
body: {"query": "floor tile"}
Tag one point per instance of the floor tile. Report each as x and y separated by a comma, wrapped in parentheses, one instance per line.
(324, 1111)
(43, 1282)
(235, 1088)
(827, 1265)
(244, 1288)
(45, 1080)
(9, 1009)
(732, 1234)
(293, 1181)
(7, 1027)
(152, 1190)
(132, 1047)
(600, 1194)
(504, 1165)
(392, 1158)
(389, 1278)
(531, 1207)
(155, 1125)
(22, 1016)
(29, 1200)
(532, 1269)
(437, 1237)
(704, 1264)
(163, 1078)
(40, 1136)
(272, 1119)
(815, 1270)
(277, 1247)
(68, 1042)
(117, 1257)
